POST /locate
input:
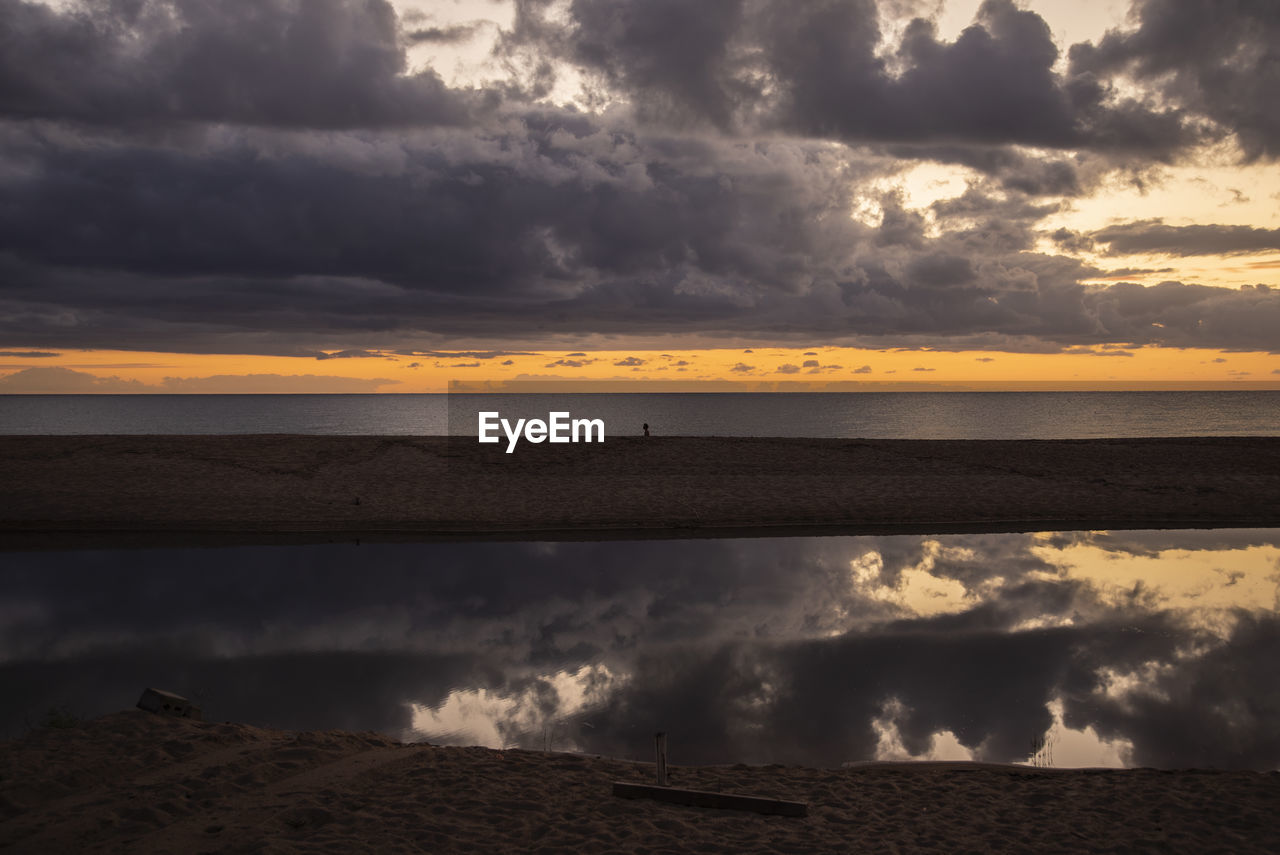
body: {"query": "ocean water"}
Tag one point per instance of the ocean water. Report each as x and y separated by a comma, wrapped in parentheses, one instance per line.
(1134, 648)
(878, 415)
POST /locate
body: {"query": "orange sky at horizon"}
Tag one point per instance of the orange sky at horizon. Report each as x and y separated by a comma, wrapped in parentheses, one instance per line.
(753, 369)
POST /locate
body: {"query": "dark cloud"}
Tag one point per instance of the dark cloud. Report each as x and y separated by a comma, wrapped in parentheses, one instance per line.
(443, 35)
(1220, 62)
(1090, 351)
(1010, 168)
(1072, 241)
(1154, 236)
(27, 354)
(273, 178)
(1123, 272)
(788, 369)
(570, 363)
(280, 63)
(674, 57)
(815, 69)
(630, 361)
(471, 354)
(348, 354)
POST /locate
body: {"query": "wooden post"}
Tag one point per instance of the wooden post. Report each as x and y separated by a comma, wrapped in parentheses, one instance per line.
(660, 740)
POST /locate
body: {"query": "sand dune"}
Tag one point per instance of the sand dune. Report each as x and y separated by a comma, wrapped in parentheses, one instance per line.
(316, 487)
(144, 783)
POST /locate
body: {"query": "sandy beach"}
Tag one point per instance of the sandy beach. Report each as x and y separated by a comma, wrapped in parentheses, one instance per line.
(139, 782)
(55, 489)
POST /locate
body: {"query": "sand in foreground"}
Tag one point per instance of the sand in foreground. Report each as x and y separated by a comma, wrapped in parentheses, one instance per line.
(423, 487)
(143, 783)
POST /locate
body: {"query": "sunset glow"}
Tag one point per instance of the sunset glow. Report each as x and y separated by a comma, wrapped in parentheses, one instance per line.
(748, 369)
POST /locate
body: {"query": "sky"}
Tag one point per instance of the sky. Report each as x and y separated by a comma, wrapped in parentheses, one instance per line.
(363, 196)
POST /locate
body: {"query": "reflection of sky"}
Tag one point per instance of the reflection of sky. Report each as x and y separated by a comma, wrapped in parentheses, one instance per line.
(1123, 648)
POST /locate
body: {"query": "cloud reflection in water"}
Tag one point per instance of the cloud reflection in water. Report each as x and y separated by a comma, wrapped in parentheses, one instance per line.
(1122, 648)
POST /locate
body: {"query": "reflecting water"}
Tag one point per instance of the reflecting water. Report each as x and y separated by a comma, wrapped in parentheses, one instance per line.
(1077, 648)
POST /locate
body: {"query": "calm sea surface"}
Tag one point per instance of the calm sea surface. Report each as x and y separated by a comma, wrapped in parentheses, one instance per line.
(1153, 648)
(887, 415)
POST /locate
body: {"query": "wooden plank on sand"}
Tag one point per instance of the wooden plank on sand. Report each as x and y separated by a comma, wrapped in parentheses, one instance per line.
(702, 798)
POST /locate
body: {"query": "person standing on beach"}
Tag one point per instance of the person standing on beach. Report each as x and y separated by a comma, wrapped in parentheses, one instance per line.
(646, 428)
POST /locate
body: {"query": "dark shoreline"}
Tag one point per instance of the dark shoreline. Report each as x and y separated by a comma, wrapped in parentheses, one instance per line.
(137, 782)
(86, 491)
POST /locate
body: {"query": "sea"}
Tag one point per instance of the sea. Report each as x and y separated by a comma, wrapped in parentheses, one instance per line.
(869, 415)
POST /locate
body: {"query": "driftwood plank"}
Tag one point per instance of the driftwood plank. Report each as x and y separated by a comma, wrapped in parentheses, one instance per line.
(704, 799)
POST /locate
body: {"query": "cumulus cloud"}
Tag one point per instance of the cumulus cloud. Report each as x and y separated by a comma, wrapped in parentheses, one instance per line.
(274, 178)
(280, 63)
(816, 69)
(1223, 64)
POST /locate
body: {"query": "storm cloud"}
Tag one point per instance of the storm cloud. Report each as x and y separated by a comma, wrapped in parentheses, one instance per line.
(282, 63)
(280, 178)
(1220, 63)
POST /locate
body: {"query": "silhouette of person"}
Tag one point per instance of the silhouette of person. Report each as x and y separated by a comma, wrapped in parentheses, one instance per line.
(646, 428)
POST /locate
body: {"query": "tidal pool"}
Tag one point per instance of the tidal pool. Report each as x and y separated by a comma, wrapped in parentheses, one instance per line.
(1147, 648)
